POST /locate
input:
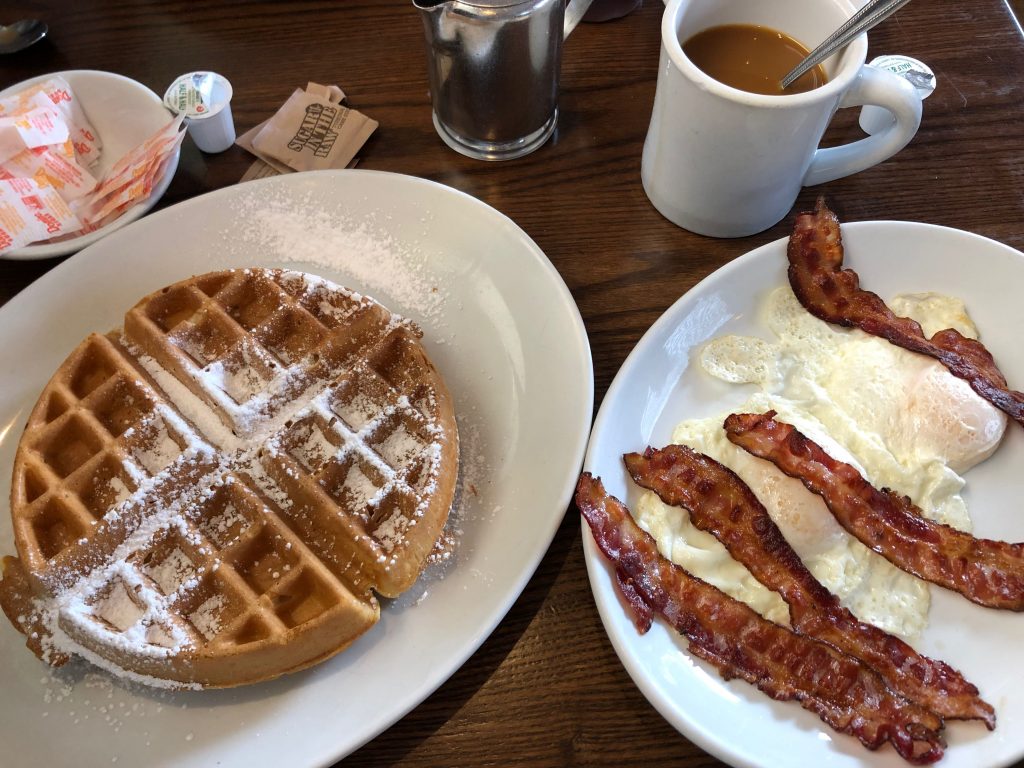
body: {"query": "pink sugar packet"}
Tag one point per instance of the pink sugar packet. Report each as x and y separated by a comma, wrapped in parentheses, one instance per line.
(30, 211)
(36, 127)
(52, 166)
(55, 92)
(135, 175)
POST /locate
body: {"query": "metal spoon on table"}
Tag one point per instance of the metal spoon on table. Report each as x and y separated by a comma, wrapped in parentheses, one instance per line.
(867, 17)
(21, 34)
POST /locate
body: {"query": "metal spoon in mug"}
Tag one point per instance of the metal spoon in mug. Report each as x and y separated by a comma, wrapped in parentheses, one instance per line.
(867, 17)
(21, 34)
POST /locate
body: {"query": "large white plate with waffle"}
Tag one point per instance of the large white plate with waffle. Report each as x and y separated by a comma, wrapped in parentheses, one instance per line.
(498, 323)
(661, 383)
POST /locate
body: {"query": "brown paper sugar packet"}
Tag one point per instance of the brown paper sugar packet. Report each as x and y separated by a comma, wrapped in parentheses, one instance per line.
(259, 170)
(313, 130)
(265, 163)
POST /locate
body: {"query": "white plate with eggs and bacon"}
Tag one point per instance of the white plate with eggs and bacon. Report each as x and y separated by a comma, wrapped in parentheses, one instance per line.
(739, 341)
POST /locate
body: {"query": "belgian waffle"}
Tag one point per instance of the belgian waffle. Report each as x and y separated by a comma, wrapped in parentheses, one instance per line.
(214, 495)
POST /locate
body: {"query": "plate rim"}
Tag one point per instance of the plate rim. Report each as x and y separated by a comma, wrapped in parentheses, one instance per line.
(598, 566)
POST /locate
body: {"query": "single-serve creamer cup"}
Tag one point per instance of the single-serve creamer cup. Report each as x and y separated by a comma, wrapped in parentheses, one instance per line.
(205, 100)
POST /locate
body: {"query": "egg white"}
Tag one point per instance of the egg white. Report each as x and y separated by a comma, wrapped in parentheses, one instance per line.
(903, 420)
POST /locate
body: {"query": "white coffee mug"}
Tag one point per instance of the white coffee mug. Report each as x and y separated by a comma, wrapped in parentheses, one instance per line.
(723, 162)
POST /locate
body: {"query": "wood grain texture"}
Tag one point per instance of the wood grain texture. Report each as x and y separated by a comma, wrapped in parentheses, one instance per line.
(546, 688)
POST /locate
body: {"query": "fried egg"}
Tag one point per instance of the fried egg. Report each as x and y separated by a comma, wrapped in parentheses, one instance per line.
(902, 419)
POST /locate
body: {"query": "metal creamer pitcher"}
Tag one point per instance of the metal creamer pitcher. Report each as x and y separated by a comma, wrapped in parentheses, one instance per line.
(494, 67)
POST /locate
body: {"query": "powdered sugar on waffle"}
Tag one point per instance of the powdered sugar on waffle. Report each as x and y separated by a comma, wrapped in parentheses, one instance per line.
(245, 397)
(113, 603)
(172, 572)
(395, 450)
(241, 381)
(297, 229)
(207, 617)
(116, 605)
(159, 450)
(360, 486)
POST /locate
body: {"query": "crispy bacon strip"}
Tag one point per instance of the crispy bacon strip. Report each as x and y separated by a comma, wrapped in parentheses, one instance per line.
(845, 693)
(643, 617)
(990, 573)
(720, 503)
(834, 294)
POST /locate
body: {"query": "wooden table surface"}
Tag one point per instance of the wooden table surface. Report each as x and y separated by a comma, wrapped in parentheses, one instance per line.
(546, 688)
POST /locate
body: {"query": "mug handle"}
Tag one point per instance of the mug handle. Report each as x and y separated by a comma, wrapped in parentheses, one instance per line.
(880, 88)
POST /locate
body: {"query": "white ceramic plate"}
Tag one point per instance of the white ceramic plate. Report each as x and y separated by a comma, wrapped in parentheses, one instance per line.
(504, 331)
(124, 113)
(661, 383)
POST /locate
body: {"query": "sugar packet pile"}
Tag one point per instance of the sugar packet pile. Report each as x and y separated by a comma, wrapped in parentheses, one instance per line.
(313, 130)
(49, 152)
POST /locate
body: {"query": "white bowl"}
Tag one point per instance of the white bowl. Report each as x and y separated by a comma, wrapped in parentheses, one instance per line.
(124, 113)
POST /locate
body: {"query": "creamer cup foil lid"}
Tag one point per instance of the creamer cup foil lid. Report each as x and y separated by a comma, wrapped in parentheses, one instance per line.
(198, 95)
(915, 72)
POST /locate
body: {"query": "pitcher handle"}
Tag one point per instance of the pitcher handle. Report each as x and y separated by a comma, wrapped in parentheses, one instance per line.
(574, 11)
